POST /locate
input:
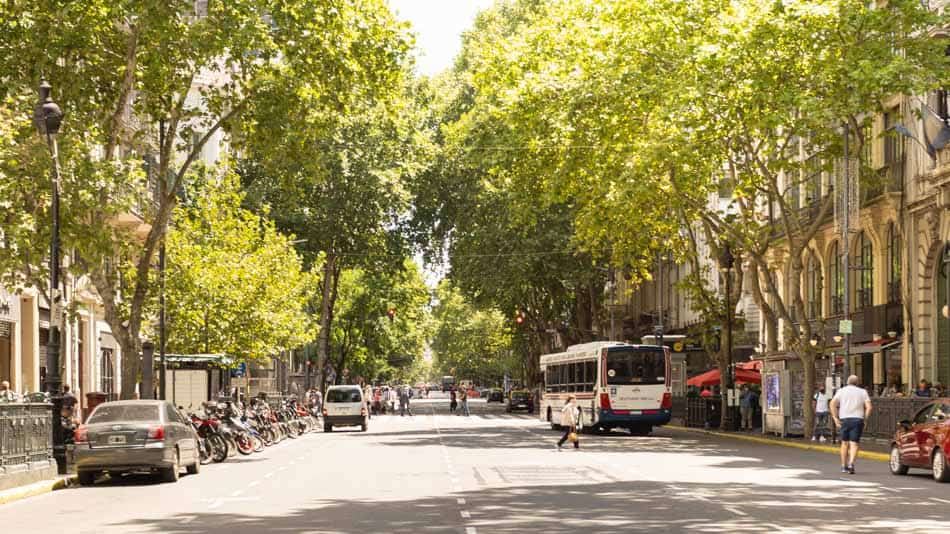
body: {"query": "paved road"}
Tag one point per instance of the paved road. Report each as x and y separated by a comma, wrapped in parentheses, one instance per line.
(498, 473)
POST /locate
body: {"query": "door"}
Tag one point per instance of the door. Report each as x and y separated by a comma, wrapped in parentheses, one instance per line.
(927, 437)
(910, 440)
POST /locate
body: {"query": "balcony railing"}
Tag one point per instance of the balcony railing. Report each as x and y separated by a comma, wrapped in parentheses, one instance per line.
(867, 322)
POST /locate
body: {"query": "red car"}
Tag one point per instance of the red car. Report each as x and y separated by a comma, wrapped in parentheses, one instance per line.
(924, 441)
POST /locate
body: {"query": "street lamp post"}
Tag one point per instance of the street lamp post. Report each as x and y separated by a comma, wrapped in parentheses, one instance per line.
(727, 261)
(946, 271)
(47, 116)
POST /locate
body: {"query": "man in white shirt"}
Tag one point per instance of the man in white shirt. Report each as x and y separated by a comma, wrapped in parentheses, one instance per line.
(850, 406)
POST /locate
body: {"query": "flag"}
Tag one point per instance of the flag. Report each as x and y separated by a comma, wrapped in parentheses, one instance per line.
(936, 131)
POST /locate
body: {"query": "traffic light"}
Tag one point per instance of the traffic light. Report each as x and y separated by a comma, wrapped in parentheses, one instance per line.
(391, 312)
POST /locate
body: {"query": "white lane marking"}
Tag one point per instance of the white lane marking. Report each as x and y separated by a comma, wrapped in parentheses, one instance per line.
(460, 501)
(471, 530)
(892, 490)
(455, 481)
(282, 468)
(188, 519)
(254, 483)
(236, 493)
(215, 504)
(945, 501)
(735, 510)
(465, 514)
(457, 489)
(782, 466)
(268, 475)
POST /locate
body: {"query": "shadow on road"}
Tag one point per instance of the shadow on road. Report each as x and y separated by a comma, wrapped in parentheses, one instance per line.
(640, 506)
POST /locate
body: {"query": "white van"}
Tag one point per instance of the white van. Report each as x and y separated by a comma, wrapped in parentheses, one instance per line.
(344, 406)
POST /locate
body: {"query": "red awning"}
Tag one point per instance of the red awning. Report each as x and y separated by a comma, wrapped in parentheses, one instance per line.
(752, 365)
(712, 378)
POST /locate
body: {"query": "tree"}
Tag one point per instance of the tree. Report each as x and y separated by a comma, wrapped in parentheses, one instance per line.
(118, 68)
(365, 341)
(469, 342)
(337, 183)
(234, 284)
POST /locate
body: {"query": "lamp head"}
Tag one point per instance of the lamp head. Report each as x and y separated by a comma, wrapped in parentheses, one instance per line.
(47, 116)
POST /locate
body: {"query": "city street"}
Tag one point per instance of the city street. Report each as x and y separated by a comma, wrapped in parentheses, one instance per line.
(494, 472)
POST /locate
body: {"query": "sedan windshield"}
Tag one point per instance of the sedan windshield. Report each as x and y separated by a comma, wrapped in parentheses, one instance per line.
(629, 366)
(107, 413)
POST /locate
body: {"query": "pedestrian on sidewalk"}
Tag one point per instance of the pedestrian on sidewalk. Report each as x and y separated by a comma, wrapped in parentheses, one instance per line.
(463, 399)
(821, 415)
(453, 403)
(368, 399)
(747, 401)
(923, 389)
(850, 407)
(569, 422)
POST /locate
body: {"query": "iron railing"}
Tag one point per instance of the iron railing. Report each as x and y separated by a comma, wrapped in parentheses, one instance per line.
(26, 437)
(887, 411)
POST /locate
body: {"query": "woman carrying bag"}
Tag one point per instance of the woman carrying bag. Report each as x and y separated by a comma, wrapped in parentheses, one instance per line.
(569, 423)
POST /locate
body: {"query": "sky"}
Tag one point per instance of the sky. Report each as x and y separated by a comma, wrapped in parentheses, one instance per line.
(438, 26)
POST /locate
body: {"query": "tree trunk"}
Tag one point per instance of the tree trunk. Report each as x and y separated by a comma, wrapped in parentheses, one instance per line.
(327, 298)
(808, 407)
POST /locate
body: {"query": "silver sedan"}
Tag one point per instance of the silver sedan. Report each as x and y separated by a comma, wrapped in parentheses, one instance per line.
(137, 435)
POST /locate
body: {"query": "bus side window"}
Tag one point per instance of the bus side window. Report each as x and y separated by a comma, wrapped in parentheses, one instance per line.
(591, 375)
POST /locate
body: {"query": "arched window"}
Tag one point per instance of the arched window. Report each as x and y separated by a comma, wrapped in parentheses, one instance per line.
(893, 264)
(813, 287)
(836, 273)
(864, 272)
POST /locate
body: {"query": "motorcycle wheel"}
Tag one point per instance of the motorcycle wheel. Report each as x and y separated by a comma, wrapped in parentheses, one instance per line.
(292, 431)
(219, 448)
(205, 452)
(245, 445)
(232, 446)
(258, 443)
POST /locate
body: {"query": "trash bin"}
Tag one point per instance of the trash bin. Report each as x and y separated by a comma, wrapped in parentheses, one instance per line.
(93, 399)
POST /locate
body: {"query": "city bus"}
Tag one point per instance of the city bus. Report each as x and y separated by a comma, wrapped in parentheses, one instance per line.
(617, 385)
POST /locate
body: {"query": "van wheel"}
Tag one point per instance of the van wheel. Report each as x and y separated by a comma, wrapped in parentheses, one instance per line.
(941, 473)
(328, 428)
(897, 468)
(86, 478)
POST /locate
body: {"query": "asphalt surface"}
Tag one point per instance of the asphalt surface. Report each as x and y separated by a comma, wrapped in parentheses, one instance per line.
(494, 472)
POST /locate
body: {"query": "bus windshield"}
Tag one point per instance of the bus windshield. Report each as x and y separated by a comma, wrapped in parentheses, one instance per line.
(632, 366)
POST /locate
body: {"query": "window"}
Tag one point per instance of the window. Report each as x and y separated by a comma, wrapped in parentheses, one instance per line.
(864, 294)
(813, 287)
(170, 415)
(837, 280)
(580, 381)
(105, 413)
(627, 367)
(345, 395)
(893, 149)
(591, 375)
(813, 178)
(107, 373)
(923, 416)
(893, 264)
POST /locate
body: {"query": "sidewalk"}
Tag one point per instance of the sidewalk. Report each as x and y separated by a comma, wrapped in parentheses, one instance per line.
(871, 448)
(37, 488)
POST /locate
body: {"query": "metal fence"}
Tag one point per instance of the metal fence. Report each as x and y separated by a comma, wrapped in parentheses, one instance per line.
(887, 412)
(703, 412)
(26, 441)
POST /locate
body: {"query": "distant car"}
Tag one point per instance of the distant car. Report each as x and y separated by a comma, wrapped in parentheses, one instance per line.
(520, 399)
(495, 395)
(344, 406)
(136, 435)
(923, 441)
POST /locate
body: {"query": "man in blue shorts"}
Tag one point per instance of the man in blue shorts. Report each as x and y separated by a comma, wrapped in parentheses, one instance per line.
(850, 407)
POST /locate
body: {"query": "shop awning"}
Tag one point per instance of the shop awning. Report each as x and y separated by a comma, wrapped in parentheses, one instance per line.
(875, 346)
(751, 365)
(712, 378)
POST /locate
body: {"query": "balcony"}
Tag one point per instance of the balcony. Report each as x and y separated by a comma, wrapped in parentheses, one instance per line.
(888, 179)
(868, 322)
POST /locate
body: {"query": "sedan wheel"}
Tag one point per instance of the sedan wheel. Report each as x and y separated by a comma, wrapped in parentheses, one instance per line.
(171, 474)
(897, 468)
(941, 473)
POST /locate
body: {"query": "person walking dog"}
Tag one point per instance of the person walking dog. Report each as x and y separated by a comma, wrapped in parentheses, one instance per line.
(569, 422)
(850, 407)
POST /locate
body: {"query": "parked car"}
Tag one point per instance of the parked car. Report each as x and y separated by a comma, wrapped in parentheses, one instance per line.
(495, 395)
(520, 399)
(923, 441)
(137, 435)
(344, 406)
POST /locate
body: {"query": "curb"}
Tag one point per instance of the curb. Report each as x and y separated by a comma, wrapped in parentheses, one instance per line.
(37, 488)
(867, 455)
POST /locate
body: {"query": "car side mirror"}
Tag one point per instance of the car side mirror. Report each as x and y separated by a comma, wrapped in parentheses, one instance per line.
(904, 424)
